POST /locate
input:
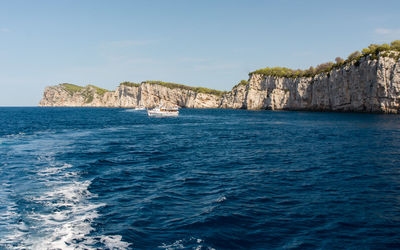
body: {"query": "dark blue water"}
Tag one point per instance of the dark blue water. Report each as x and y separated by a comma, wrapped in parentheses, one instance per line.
(81, 178)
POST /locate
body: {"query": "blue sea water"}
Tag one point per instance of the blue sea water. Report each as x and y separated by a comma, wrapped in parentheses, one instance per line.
(94, 178)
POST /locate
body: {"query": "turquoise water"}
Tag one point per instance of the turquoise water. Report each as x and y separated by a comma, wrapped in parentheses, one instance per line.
(82, 178)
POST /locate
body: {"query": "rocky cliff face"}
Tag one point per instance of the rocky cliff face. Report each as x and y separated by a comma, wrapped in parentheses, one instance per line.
(362, 86)
(365, 86)
(147, 95)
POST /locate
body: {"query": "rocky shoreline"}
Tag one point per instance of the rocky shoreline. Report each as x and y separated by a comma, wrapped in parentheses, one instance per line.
(366, 85)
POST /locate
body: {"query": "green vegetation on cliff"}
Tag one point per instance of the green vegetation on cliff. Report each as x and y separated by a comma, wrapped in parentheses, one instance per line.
(181, 86)
(372, 52)
(130, 84)
(99, 91)
(241, 83)
(72, 88)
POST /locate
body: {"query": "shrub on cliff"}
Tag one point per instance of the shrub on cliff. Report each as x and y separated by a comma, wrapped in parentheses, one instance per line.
(324, 67)
(339, 60)
(241, 83)
(278, 72)
(309, 72)
(395, 45)
(374, 49)
(383, 47)
(354, 56)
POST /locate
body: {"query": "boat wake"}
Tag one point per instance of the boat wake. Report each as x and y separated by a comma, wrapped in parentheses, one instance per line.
(56, 211)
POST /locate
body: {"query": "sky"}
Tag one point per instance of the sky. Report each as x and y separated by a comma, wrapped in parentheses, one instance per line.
(208, 43)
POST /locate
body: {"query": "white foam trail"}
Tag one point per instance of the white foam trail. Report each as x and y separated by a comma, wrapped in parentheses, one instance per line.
(60, 210)
(68, 224)
(64, 222)
(53, 170)
(114, 242)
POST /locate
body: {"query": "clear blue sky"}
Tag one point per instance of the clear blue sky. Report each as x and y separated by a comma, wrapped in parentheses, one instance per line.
(205, 43)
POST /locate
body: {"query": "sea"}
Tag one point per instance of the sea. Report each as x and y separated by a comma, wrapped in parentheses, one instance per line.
(106, 178)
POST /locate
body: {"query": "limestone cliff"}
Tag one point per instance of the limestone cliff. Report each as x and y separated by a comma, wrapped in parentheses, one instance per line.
(363, 86)
(146, 94)
(367, 85)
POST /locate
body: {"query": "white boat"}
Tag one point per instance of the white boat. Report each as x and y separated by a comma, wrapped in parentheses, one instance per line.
(162, 111)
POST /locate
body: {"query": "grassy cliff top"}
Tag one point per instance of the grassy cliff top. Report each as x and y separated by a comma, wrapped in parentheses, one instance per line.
(181, 86)
(130, 84)
(72, 88)
(99, 90)
(372, 52)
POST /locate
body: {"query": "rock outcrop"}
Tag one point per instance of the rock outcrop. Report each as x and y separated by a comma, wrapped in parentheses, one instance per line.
(367, 85)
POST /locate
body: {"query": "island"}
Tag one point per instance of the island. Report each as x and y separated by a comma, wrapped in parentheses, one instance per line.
(367, 81)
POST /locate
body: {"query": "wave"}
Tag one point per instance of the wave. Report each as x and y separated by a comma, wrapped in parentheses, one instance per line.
(191, 243)
(221, 199)
(57, 212)
(129, 110)
(64, 221)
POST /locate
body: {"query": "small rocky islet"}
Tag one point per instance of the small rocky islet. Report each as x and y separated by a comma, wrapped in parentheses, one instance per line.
(367, 81)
